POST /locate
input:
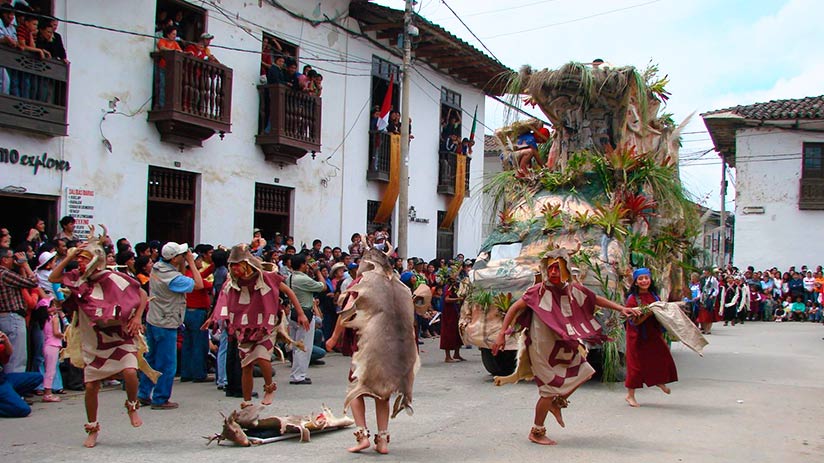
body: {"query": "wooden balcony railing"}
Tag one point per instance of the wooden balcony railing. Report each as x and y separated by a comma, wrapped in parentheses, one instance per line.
(447, 169)
(811, 195)
(288, 123)
(34, 94)
(191, 98)
(379, 156)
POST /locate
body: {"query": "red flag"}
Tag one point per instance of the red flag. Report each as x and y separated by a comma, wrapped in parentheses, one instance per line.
(383, 121)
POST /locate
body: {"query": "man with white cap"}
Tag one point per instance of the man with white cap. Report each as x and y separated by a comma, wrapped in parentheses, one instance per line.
(167, 291)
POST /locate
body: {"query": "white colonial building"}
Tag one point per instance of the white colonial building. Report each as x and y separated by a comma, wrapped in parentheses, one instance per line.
(777, 150)
(217, 153)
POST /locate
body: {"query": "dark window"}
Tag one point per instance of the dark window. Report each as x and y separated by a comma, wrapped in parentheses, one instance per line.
(191, 20)
(272, 46)
(44, 7)
(273, 207)
(170, 212)
(811, 192)
(371, 211)
(813, 166)
(445, 239)
(451, 121)
(382, 72)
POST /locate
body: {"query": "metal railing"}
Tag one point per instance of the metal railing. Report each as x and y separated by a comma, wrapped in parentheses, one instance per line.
(379, 156)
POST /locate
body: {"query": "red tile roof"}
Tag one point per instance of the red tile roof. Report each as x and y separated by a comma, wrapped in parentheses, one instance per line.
(802, 108)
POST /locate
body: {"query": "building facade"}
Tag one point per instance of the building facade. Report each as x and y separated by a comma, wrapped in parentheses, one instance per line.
(777, 150)
(165, 146)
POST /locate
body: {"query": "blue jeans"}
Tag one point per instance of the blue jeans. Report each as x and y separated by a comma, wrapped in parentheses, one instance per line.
(221, 358)
(162, 356)
(195, 345)
(12, 386)
(38, 360)
(15, 328)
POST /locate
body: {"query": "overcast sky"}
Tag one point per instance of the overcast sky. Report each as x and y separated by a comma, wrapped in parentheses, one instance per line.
(717, 53)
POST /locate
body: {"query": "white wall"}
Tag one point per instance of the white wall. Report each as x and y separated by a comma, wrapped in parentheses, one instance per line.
(105, 65)
(783, 235)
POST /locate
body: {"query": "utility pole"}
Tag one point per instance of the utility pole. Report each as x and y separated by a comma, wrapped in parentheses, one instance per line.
(403, 195)
(722, 245)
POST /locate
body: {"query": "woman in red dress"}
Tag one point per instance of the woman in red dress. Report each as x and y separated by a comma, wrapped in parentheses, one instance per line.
(649, 361)
(450, 310)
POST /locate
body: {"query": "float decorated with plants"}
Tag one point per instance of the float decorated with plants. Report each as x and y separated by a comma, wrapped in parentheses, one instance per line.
(605, 186)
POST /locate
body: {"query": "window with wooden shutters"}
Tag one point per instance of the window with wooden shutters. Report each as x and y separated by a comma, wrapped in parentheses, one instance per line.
(811, 194)
(445, 240)
(371, 211)
(170, 211)
(273, 209)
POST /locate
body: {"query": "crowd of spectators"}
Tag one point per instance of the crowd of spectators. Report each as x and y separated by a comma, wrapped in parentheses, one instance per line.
(32, 321)
(734, 296)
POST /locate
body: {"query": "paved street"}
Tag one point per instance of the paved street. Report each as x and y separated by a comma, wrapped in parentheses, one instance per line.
(755, 396)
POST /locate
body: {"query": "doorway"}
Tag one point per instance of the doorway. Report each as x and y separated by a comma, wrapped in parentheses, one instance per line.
(273, 206)
(170, 212)
(21, 211)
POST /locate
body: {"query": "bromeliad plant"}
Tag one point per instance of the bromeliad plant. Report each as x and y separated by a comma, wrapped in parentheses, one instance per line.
(612, 219)
(553, 219)
(502, 302)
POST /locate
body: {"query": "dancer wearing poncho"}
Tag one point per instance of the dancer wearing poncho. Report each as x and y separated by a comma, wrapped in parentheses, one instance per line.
(250, 304)
(105, 335)
(559, 317)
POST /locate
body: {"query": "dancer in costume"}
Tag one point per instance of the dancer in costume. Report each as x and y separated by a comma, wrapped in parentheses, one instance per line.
(379, 308)
(105, 335)
(250, 304)
(649, 361)
(559, 315)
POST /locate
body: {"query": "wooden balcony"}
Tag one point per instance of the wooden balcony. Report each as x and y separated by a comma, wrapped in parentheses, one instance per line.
(35, 93)
(191, 98)
(288, 123)
(447, 169)
(379, 156)
(811, 194)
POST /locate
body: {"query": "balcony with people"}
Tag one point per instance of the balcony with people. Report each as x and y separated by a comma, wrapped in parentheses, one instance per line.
(289, 120)
(191, 91)
(34, 74)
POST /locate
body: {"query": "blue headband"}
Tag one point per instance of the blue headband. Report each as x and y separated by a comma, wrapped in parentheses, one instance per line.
(639, 272)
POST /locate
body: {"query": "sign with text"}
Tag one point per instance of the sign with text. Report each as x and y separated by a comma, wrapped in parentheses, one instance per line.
(80, 205)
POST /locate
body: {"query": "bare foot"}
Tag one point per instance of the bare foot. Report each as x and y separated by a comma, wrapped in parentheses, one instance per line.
(382, 444)
(92, 429)
(451, 360)
(664, 388)
(362, 444)
(556, 412)
(459, 359)
(538, 435)
(632, 402)
(269, 393)
(134, 417)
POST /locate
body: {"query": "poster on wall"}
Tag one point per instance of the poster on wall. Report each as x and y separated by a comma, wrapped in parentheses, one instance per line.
(80, 205)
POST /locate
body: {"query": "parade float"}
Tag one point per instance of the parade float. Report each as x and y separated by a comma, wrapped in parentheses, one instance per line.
(608, 191)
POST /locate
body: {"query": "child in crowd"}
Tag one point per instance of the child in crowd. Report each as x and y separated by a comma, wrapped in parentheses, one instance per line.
(53, 342)
(798, 310)
(768, 305)
(813, 312)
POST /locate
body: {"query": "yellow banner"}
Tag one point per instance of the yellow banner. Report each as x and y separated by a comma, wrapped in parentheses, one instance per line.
(393, 188)
(460, 192)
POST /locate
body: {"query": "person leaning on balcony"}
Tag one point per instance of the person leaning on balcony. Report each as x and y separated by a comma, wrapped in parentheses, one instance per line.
(50, 41)
(201, 48)
(8, 37)
(26, 31)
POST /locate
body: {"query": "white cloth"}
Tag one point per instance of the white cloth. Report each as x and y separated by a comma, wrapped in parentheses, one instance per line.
(300, 359)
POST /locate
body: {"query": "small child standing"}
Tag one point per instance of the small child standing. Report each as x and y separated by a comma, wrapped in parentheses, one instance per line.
(53, 342)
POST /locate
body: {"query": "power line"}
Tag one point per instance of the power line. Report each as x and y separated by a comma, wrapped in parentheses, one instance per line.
(572, 20)
(470, 31)
(511, 8)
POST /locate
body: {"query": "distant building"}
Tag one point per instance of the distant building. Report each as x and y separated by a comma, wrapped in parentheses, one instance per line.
(777, 150)
(709, 238)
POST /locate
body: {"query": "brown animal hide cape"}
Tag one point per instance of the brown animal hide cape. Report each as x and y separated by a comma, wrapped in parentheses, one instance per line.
(380, 309)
